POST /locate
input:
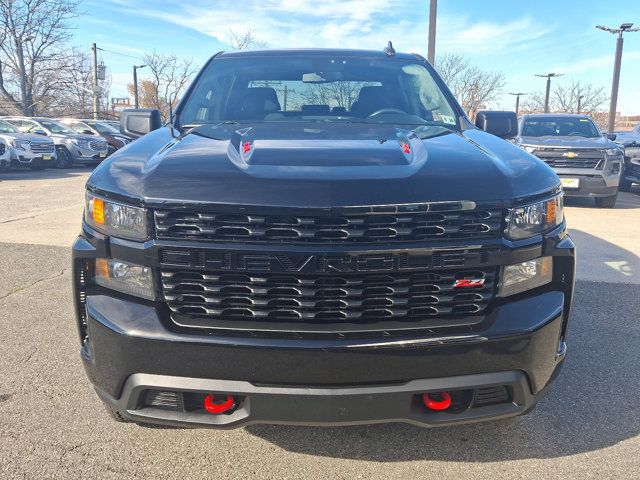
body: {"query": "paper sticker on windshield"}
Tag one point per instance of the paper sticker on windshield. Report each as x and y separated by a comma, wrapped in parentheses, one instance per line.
(448, 119)
(584, 120)
(436, 116)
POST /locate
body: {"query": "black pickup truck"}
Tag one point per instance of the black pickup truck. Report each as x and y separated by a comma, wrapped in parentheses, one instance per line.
(321, 237)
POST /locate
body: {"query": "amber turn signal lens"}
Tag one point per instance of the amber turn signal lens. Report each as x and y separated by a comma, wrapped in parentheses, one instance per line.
(102, 268)
(551, 212)
(98, 211)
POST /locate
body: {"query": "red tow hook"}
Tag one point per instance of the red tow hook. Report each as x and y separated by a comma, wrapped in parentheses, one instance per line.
(437, 400)
(211, 406)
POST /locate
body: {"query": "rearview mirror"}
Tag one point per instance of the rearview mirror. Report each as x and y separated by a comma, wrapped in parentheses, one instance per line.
(502, 124)
(138, 122)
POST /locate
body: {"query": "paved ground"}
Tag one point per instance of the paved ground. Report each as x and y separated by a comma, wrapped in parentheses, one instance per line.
(52, 425)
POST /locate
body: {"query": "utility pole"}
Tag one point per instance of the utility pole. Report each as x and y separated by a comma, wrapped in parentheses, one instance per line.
(518, 95)
(94, 49)
(549, 76)
(431, 54)
(580, 97)
(625, 27)
(135, 84)
(285, 98)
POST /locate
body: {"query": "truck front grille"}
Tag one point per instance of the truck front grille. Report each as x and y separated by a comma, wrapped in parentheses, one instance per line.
(348, 225)
(567, 158)
(303, 302)
(42, 147)
(98, 145)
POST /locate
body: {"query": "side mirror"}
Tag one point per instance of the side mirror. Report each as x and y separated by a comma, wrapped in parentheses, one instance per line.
(88, 132)
(502, 124)
(611, 136)
(40, 132)
(139, 122)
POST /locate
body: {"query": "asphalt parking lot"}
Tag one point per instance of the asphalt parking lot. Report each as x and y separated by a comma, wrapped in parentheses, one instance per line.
(53, 426)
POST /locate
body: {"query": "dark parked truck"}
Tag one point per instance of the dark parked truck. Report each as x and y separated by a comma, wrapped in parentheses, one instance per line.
(321, 237)
(589, 163)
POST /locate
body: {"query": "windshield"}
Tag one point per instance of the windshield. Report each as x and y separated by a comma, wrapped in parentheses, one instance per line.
(6, 127)
(103, 128)
(559, 127)
(320, 89)
(56, 127)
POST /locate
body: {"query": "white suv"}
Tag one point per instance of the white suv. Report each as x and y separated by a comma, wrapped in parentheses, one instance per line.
(5, 161)
(27, 150)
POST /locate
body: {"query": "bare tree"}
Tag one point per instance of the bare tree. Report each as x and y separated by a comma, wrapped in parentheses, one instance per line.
(245, 40)
(566, 99)
(334, 94)
(32, 38)
(169, 77)
(474, 88)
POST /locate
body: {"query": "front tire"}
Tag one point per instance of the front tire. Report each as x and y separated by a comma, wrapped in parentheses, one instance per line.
(116, 414)
(64, 159)
(606, 202)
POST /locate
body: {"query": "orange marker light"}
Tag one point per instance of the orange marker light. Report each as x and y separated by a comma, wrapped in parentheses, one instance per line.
(98, 211)
(102, 268)
(551, 212)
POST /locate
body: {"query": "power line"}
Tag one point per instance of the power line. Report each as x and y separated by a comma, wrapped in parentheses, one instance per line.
(119, 53)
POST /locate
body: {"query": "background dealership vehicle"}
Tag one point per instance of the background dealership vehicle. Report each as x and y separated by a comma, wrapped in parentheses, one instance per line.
(110, 133)
(319, 262)
(5, 156)
(588, 163)
(630, 136)
(27, 150)
(631, 171)
(71, 147)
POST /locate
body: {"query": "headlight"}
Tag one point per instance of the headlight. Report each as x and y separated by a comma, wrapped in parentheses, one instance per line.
(529, 148)
(534, 219)
(125, 277)
(81, 142)
(613, 152)
(116, 219)
(21, 144)
(526, 276)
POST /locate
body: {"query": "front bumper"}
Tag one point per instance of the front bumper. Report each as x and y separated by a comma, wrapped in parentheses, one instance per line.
(132, 346)
(593, 183)
(85, 155)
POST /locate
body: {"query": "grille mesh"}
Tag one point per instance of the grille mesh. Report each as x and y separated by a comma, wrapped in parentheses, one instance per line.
(584, 158)
(327, 299)
(42, 147)
(98, 145)
(419, 222)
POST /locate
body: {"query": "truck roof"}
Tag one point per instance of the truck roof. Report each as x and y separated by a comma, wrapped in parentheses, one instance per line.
(317, 52)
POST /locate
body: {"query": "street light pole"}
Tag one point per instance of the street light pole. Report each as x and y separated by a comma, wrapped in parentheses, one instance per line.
(431, 53)
(625, 27)
(518, 95)
(549, 76)
(94, 50)
(580, 97)
(135, 84)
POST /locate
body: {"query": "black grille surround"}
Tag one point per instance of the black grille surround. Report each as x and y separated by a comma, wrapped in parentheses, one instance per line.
(567, 158)
(316, 303)
(332, 226)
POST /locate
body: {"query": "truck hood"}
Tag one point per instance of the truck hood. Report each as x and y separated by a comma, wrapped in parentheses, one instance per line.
(550, 141)
(320, 165)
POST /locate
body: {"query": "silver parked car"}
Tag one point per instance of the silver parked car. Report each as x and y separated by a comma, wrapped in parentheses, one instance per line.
(27, 150)
(71, 147)
(588, 163)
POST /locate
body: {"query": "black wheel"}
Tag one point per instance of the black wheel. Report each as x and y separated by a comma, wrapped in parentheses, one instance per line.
(4, 166)
(625, 185)
(64, 159)
(606, 202)
(116, 414)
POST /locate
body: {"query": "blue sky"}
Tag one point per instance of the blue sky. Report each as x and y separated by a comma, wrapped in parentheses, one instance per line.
(519, 38)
